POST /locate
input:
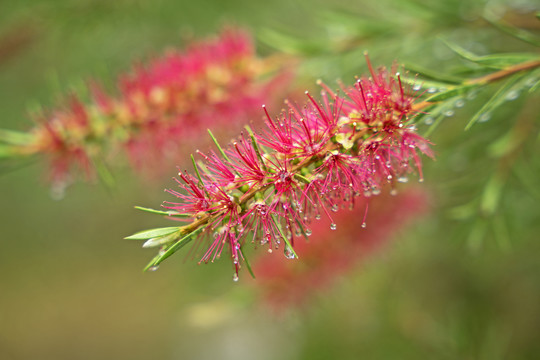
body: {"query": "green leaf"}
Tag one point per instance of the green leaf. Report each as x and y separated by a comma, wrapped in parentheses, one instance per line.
(426, 84)
(248, 266)
(515, 32)
(491, 195)
(497, 61)
(148, 234)
(161, 212)
(15, 137)
(221, 151)
(256, 146)
(197, 170)
(278, 226)
(496, 100)
(160, 240)
(434, 75)
(172, 249)
(457, 91)
(502, 61)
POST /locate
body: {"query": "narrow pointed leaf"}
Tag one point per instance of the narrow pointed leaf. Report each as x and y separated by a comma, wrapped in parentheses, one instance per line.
(160, 240)
(496, 100)
(222, 152)
(278, 226)
(148, 234)
(161, 212)
(172, 249)
(15, 137)
(248, 266)
(457, 91)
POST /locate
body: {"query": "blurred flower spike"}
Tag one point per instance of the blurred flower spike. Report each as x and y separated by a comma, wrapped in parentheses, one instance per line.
(306, 163)
(286, 284)
(159, 108)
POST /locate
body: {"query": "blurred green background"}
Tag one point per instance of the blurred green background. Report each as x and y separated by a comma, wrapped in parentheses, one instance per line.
(453, 285)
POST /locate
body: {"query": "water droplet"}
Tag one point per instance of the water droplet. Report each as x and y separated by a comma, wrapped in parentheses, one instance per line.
(393, 192)
(333, 226)
(153, 268)
(289, 253)
(472, 95)
(459, 103)
(449, 113)
(364, 225)
(335, 208)
(376, 191)
(235, 277)
(512, 95)
(531, 81)
(417, 87)
(432, 90)
(428, 120)
(484, 117)
(403, 179)
(389, 177)
(318, 217)
(308, 232)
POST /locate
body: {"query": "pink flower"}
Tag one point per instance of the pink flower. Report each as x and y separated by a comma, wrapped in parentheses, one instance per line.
(307, 161)
(162, 108)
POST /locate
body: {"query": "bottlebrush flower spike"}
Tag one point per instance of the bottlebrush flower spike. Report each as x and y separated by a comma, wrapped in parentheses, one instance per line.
(159, 108)
(307, 162)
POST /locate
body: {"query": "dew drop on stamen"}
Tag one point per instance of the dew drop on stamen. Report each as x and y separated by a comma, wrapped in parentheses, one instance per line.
(308, 232)
(153, 268)
(318, 217)
(235, 277)
(333, 226)
(364, 225)
(403, 179)
(335, 208)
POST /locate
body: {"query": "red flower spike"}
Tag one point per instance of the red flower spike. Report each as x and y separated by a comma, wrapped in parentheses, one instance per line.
(161, 107)
(309, 160)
